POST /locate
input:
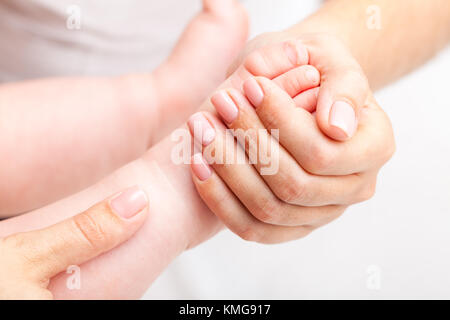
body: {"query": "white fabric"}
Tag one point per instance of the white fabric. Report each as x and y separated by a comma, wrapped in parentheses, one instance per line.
(115, 36)
(394, 246)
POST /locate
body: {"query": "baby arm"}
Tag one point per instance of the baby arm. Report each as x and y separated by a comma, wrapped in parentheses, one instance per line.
(68, 133)
(177, 220)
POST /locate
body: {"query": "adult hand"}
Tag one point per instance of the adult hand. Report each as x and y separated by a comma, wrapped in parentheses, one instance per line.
(31, 259)
(344, 87)
(318, 177)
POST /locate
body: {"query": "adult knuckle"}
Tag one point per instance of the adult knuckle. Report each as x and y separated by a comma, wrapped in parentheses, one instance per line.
(209, 192)
(291, 190)
(20, 249)
(92, 229)
(266, 210)
(271, 114)
(367, 192)
(13, 242)
(250, 234)
(383, 146)
(20, 244)
(320, 159)
(271, 120)
(390, 149)
(255, 63)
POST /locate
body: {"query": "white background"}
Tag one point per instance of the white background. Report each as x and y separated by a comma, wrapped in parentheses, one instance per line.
(400, 237)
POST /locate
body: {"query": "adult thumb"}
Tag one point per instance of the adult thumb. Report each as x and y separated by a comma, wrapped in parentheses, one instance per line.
(343, 93)
(83, 237)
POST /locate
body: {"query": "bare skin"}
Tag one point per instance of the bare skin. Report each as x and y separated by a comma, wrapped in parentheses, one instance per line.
(412, 31)
(31, 259)
(314, 178)
(172, 226)
(96, 125)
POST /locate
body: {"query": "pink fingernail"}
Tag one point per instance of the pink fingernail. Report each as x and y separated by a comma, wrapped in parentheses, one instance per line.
(200, 168)
(253, 92)
(225, 106)
(128, 203)
(342, 117)
(201, 128)
(296, 52)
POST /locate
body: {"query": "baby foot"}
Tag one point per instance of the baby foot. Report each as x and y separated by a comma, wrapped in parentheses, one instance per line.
(286, 65)
(201, 58)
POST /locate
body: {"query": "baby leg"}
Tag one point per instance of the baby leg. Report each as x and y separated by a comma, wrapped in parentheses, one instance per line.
(178, 218)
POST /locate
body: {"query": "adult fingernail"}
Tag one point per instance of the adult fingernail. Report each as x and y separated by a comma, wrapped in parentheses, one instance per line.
(128, 203)
(200, 168)
(225, 106)
(201, 129)
(253, 92)
(342, 117)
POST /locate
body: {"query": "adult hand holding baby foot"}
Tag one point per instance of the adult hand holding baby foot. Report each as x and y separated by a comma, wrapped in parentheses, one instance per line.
(318, 177)
(344, 87)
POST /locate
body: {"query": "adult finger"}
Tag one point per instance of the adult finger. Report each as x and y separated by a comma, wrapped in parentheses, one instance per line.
(230, 210)
(370, 148)
(47, 252)
(344, 87)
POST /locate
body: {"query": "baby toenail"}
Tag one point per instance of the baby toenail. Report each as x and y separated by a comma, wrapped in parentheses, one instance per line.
(312, 75)
(292, 53)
